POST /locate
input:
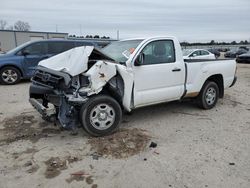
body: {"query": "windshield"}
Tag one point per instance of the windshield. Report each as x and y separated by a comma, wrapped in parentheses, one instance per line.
(18, 48)
(115, 49)
(187, 52)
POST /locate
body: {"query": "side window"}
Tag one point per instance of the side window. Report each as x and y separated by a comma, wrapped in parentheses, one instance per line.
(59, 47)
(39, 48)
(77, 44)
(204, 53)
(54, 48)
(159, 52)
(67, 46)
(196, 53)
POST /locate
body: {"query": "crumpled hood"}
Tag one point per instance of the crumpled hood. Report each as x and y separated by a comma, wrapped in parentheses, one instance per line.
(73, 62)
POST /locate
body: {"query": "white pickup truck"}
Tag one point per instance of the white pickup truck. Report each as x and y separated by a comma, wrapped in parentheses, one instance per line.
(92, 87)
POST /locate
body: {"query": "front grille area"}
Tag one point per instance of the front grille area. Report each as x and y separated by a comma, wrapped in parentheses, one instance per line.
(47, 79)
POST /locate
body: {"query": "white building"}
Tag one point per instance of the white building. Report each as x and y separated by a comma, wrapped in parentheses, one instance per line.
(10, 39)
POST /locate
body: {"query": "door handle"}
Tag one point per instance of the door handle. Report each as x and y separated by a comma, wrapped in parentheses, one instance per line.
(176, 69)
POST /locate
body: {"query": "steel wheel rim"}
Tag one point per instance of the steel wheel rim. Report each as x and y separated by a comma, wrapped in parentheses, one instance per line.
(102, 116)
(210, 95)
(9, 76)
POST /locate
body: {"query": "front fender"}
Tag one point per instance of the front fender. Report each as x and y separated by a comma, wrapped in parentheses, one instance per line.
(101, 73)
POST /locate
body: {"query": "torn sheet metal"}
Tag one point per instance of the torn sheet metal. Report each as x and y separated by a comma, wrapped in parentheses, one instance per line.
(73, 62)
(102, 72)
(128, 79)
(99, 74)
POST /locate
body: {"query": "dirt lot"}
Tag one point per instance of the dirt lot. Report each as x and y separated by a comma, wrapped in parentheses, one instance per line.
(195, 148)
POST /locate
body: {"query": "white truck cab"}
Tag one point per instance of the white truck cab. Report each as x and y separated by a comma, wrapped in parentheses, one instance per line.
(96, 85)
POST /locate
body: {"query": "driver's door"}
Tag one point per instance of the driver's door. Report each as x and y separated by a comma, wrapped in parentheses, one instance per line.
(32, 55)
(160, 77)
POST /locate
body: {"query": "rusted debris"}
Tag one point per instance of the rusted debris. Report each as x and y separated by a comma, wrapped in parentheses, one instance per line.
(156, 152)
(102, 75)
(79, 173)
(153, 145)
(122, 144)
(21, 127)
(55, 165)
(89, 180)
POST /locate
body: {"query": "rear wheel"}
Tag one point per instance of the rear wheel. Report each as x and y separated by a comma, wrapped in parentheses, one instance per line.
(101, 115)
(208, 96)
(9, 75)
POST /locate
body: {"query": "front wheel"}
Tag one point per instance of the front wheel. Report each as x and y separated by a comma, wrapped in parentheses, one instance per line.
(9, 75)
(208, 96)
(101, 115)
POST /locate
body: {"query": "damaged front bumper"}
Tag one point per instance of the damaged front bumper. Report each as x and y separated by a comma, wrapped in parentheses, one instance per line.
(53, 87)
(68, 88)
(47, 115)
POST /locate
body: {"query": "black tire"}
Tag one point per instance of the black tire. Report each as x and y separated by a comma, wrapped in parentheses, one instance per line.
(209, 95)
(89, 111)
(9, 75)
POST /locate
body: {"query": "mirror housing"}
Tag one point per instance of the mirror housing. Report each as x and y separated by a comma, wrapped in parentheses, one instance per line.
(139, 59)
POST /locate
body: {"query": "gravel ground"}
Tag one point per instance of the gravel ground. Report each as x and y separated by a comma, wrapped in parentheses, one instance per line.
(195, 148)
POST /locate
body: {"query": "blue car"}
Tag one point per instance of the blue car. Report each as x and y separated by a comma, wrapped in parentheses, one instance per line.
(21, 62)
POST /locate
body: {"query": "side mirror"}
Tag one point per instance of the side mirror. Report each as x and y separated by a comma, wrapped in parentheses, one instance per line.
(139, 59)
(25, 52)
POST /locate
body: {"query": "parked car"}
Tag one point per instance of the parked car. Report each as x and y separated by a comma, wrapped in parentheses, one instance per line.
(244, 47)
(244, 58)
(20, 62)
(97, 85)
(214, 51)
(197, 54)
(234, 53)
(223, 49)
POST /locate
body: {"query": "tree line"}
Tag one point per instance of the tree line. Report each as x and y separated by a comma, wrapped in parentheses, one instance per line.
(18, 26)
(89, 36)
(25, 26)
(212, 42)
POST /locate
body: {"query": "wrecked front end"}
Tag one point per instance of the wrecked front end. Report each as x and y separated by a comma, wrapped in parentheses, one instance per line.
(69, 86)
(60, 90)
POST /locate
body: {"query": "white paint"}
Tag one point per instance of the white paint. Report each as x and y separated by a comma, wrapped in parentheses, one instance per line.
(128, 79)
(199, 72)
(146, 84)
(157, 83)
(73, 61)
(99, 74)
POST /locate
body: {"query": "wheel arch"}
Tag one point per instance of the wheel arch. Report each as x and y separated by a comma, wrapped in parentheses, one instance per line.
(11, 65)
(115, 89)
(218, 79)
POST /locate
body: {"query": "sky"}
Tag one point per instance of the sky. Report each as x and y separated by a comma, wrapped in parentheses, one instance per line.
(189, 20)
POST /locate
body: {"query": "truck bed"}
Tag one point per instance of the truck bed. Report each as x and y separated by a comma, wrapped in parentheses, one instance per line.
(198, 71)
